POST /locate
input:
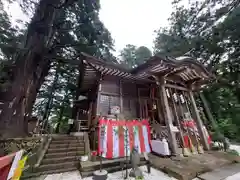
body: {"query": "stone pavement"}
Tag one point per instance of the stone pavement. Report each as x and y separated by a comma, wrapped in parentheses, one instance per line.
(185, 168)
(234, 177)
(155, 175)
(230, 172)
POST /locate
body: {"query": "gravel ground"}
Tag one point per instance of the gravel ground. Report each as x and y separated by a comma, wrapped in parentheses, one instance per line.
(155, 175)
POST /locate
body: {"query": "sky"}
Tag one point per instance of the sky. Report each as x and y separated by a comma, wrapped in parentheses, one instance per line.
(134, 21)
(129, 21)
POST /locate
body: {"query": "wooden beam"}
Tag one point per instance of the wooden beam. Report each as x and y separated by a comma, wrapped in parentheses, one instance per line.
(109, 93)
(199, 123)
(176, 87)
(192, 81)
(162, 73)
(175, 72)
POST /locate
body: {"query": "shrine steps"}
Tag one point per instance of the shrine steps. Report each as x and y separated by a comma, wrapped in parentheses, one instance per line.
(87, 168)
(62, 155)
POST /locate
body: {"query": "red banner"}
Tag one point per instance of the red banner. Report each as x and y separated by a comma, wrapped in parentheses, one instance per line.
(118, 138)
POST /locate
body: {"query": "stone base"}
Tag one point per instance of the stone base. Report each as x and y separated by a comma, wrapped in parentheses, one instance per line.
(136, 173)
(100, 175)
(200, 149)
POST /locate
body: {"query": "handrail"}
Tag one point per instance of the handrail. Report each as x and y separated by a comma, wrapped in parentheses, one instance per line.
(86, 144)
(43, 152)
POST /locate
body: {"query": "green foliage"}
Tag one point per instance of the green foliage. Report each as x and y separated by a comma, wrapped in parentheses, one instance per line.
(131, 56)
(139, 178)
(209, 31)
(76, 28)
(80, 31)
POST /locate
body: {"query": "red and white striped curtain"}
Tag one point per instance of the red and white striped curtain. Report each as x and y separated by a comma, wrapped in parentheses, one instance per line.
(118, 138)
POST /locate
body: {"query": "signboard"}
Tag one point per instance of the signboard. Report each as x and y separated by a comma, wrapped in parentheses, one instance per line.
(115, 110)
(174, 128)
(118, 138)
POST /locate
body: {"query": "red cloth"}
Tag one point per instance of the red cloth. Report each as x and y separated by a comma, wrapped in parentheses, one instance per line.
(209, 140)
(186, 142)
(5, 165)
(4, 172)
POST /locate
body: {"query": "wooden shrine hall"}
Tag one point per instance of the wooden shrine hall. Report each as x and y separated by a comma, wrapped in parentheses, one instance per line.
(160, 90)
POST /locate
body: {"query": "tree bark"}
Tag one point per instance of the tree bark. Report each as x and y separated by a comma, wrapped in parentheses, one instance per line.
(48, 106)
(28, 69)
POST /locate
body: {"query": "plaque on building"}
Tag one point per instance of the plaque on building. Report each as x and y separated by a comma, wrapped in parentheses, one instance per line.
(115, 110)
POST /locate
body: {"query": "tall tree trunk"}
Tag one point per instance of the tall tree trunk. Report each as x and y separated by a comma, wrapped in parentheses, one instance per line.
(60, 119)
(50, 97)
(28, 69)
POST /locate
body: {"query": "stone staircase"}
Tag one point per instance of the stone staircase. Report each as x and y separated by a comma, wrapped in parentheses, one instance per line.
(62, 155)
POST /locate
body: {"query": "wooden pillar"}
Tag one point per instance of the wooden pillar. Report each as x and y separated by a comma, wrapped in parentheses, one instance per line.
(99, 95)
(139, 103)
(95, 121)
(121, 96)
(168, 117)
(199, 122)
(208, 112)
(90, 110)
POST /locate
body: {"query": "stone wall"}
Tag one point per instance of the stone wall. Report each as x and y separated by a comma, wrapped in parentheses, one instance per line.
(29, 144)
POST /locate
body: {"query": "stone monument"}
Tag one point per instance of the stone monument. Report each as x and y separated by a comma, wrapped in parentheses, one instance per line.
(135, 161)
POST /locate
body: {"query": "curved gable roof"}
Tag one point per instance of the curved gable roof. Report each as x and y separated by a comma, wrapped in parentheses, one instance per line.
(187, 68)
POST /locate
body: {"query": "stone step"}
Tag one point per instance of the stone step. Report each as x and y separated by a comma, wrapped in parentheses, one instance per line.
(109, 169)
(61, 154)
(67, 138)
(47, 167)
(66, 141)
(84, 127)
(69, 149)
(65, 145)
(33, 176)
(89, 165)
(59, 159)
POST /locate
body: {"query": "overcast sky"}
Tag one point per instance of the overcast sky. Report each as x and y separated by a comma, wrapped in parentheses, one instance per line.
(129, 21)
(134, 21)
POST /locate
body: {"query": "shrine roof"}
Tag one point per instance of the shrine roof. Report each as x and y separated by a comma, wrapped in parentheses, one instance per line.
(186, 69)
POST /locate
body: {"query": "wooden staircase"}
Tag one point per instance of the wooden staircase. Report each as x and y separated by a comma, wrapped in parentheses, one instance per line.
(62, 156)
(82, 125)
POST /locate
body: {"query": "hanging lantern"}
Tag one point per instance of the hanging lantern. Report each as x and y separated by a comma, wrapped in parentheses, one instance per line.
(168, 95)
(154, 106)
(182, 98)
(175, 97)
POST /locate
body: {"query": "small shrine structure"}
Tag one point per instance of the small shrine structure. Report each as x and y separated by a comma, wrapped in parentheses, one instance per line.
(160, 90)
